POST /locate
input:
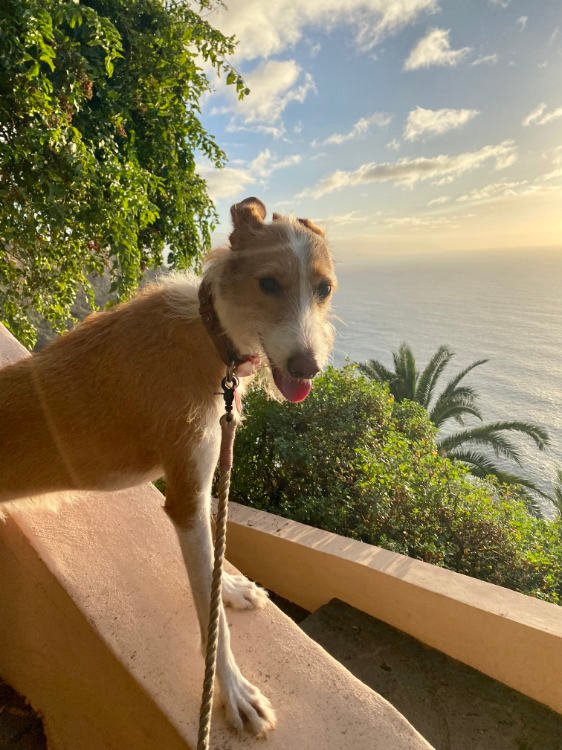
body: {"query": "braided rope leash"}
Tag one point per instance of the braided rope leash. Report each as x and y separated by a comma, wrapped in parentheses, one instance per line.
(228, 432)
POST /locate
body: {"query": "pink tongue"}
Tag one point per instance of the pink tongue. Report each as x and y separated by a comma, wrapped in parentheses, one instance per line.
(294, 390)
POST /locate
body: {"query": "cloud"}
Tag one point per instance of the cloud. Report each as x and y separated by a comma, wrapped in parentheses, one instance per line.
(556, 114)
(417, 222)
(361, 127)
(553, 36)
(406, 172)
(226, 182)
(394, 144)
(229, 181)
(522, 22)
(503, 161)
(539, 115)
(265, 163)
(269, 28)
(439, 201)
(554, 156)
(435, 49)
(341, 220)
(485, 60)
(500, 3)
(534, 115)
(498, 191)
(554, 174)
(274, 84)
(492, 191)
(275, 131)
(427, 122)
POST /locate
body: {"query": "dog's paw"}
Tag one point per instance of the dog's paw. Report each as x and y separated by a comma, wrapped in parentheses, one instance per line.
(246, 707)
(240, 593)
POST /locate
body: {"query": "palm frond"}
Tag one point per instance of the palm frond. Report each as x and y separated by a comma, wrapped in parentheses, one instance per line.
(479, 464)
(454, 406)
(482, 466)
(556, 498)
(430, 375)
(481, 436)
(539, 435)
(376, 371)
(490, 434)
(452, 384)
(407, 374)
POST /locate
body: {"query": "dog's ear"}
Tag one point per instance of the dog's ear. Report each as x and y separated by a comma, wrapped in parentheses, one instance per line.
(248, 213)
(312, 226)
(247, 218)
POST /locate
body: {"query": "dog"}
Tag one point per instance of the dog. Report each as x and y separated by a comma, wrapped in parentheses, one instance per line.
(130, 395)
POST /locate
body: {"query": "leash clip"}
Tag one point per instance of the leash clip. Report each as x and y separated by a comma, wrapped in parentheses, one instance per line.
(229, 384)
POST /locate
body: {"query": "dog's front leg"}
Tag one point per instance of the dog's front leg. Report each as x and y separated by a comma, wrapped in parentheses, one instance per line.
(188, 505)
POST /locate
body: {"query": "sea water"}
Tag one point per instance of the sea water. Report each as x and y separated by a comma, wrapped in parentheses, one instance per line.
(505, 306)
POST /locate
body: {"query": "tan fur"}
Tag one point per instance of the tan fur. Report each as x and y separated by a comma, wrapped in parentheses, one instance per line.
(131, 394)
(121, 393)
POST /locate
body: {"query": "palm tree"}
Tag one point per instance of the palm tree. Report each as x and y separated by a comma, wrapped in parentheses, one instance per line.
(557, 493)
(455, 402)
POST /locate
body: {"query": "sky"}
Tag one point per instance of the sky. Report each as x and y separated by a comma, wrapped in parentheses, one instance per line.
(399, 126)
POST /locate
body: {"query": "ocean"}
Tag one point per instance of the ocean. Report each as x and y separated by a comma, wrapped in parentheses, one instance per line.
(503, 305)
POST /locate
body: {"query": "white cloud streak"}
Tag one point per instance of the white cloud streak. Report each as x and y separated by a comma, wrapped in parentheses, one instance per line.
(429, 122)
(552, 38)
(269, 28)
(274, 84)
(265, 163)
(229, 181)
(522, 22)
(342, 220)
(360, 128)
(406, 172)
(417, 222)
(435, 49)
(540, 116)
(500, 191)
(534, 115)
(226, 182)
(491, 192)
(485, 60)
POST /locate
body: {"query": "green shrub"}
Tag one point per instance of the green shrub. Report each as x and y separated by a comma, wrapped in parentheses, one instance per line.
(352, 461)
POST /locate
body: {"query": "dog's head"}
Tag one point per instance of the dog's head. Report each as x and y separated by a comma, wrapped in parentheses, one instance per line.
(272, 291)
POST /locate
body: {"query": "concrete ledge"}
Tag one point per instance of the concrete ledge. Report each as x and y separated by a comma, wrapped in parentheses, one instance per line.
(513, 638)
(98, 630)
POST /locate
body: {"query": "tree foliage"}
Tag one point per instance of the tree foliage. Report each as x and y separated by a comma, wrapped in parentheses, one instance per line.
(352, 460)
(455, 402)
(99, 133)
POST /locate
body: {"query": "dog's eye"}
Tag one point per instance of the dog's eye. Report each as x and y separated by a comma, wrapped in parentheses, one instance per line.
(324, 289)
(269, 285)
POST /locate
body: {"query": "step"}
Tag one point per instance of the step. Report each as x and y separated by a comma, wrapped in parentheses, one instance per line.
(453, 706)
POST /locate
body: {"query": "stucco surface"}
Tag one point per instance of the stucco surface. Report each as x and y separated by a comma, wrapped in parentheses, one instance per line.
(99, 631)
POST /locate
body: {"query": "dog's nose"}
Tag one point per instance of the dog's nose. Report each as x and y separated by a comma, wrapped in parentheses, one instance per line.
(303, 365)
